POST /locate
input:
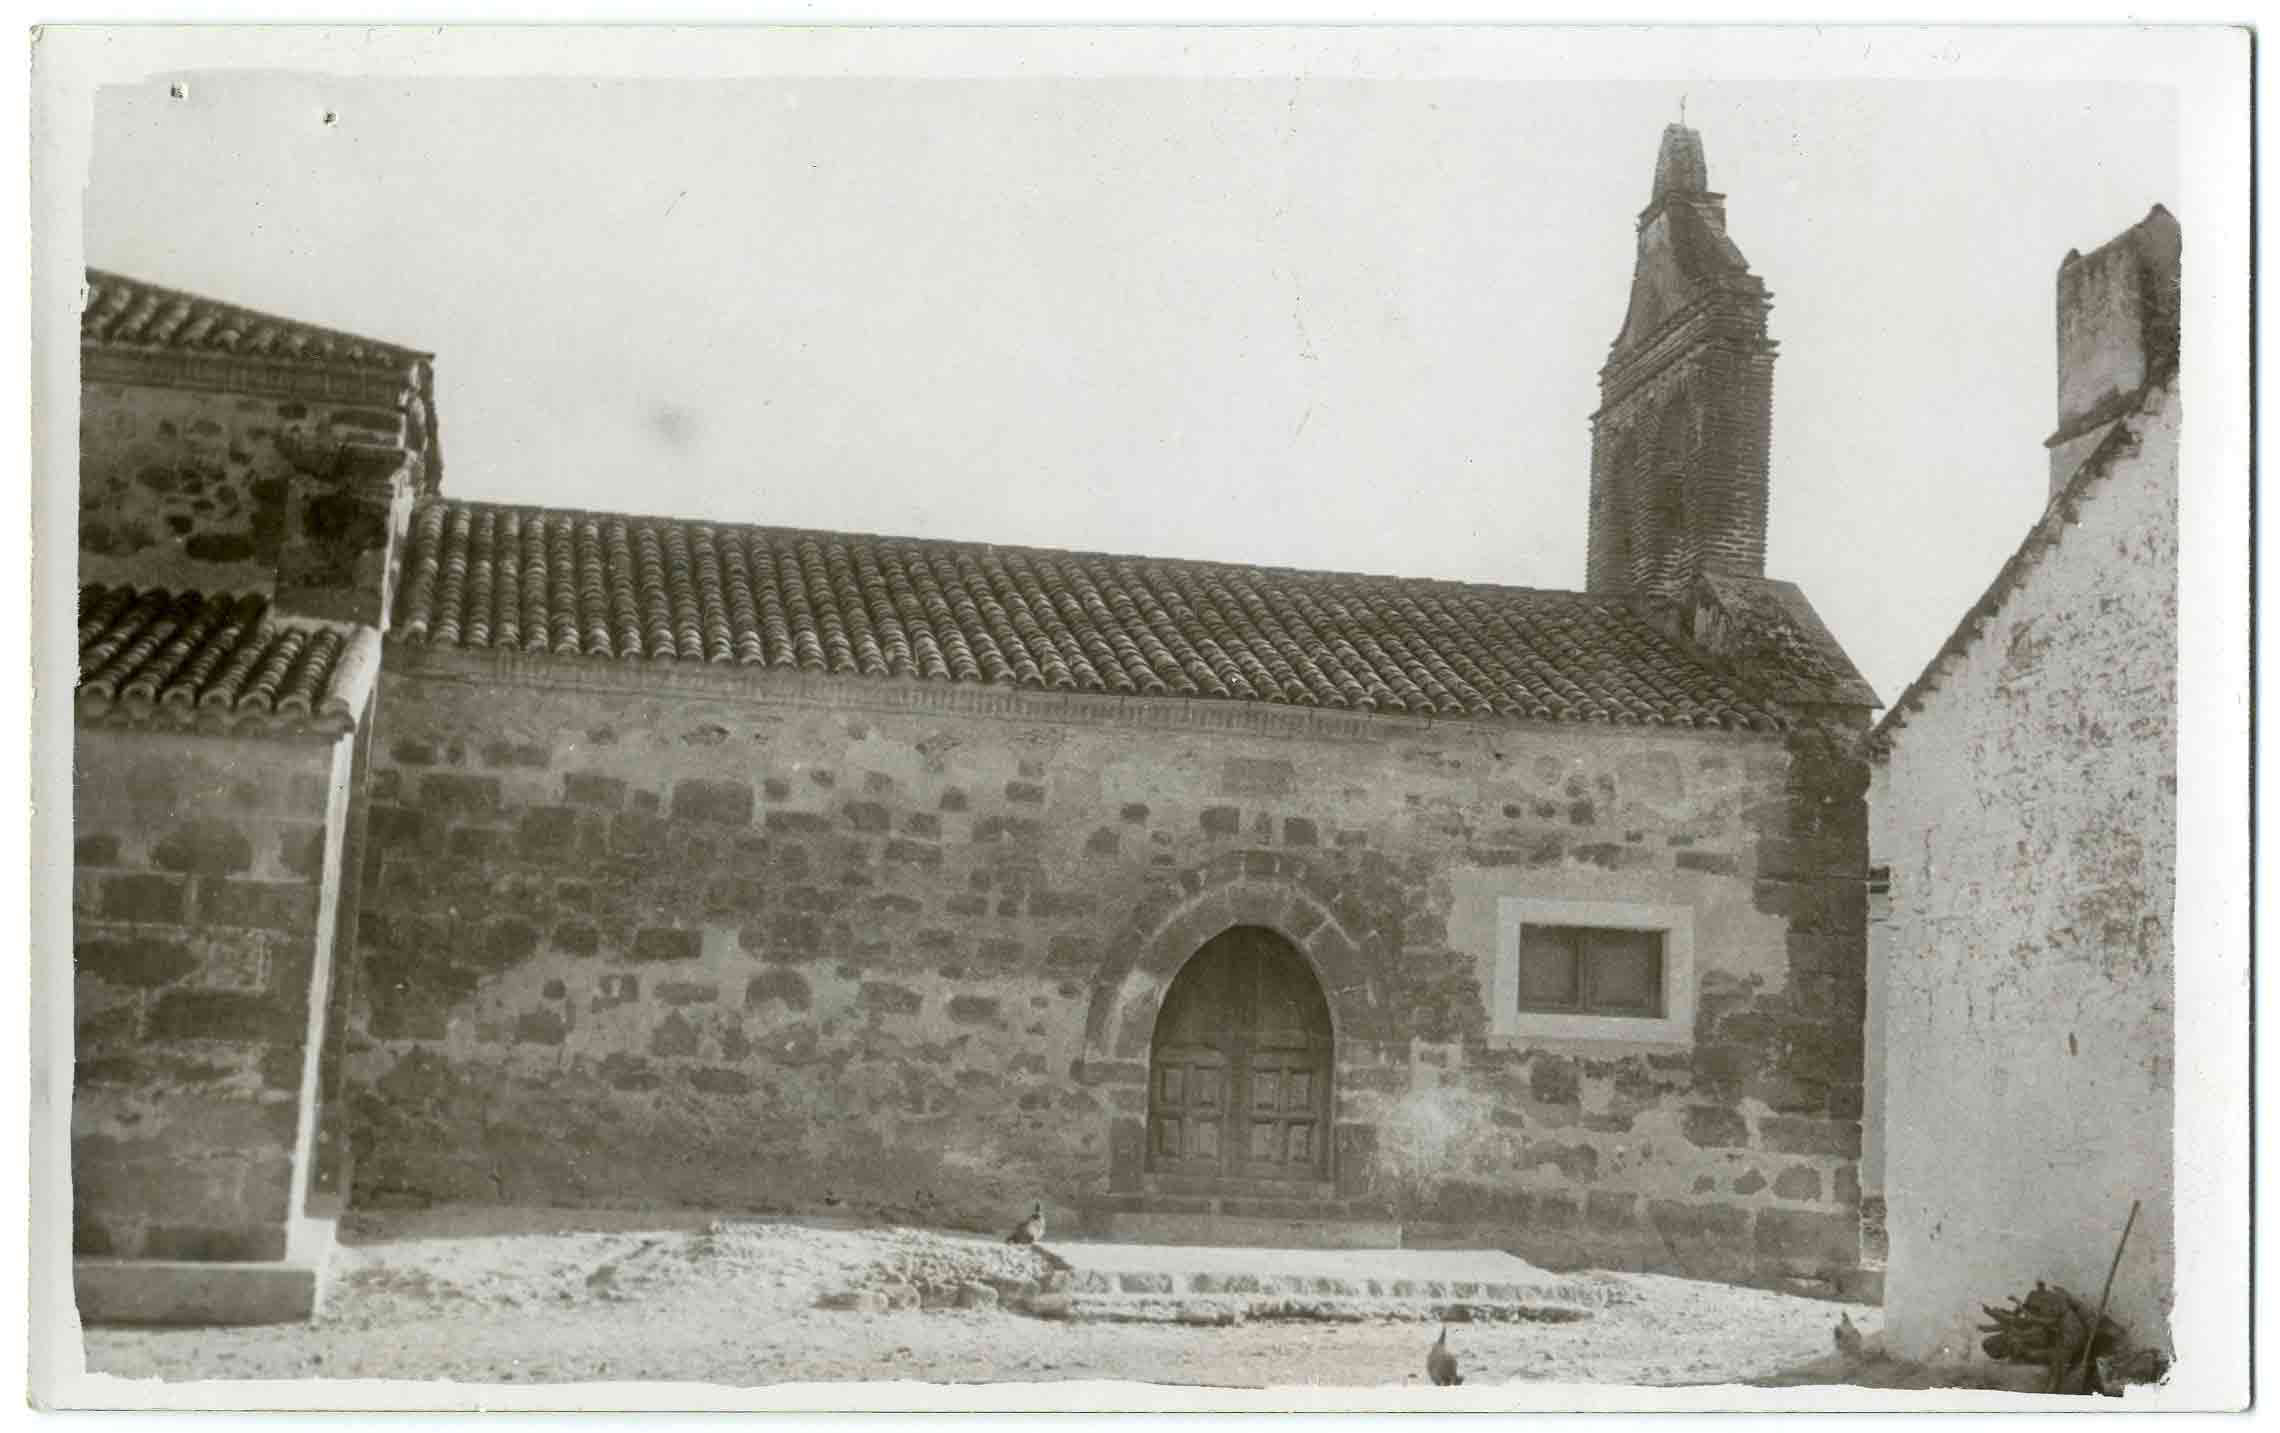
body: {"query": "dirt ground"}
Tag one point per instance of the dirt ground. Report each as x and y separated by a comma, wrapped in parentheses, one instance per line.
(504, 1297)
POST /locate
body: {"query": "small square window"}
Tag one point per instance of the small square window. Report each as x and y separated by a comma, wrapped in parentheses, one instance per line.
(1591, 970)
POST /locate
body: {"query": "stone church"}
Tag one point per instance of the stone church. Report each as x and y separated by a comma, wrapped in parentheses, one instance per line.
(437, 850)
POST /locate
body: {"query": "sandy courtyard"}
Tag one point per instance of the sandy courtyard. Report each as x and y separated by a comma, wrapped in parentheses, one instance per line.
(507, 1296)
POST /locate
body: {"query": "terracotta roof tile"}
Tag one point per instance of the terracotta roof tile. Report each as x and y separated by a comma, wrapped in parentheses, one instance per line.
(217, 662)
(124, 313)
(605, 586)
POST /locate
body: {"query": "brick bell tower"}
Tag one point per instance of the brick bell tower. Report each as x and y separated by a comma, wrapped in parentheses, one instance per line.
(1679, 444)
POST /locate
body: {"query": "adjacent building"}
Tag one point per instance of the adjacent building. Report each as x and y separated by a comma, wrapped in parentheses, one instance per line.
(2026, 811)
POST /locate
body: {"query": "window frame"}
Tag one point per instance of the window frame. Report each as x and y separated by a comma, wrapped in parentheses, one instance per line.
(1675, 1026)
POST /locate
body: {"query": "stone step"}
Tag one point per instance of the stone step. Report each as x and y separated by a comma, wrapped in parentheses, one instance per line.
(1306, 1190)
(1217, 1285)
(1217, 1229)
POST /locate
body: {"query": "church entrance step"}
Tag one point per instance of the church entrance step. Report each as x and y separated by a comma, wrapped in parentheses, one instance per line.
(1246, 1230)
(1313, 1190)
(1220, 1284)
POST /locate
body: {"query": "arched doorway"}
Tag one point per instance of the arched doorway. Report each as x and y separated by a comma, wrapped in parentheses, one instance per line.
(1239, 1069)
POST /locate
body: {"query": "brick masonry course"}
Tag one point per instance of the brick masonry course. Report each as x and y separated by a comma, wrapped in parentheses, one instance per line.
(912, 920)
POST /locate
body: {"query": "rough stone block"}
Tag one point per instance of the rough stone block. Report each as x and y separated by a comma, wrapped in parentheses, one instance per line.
(1708, 1241)
(585, 788)
(887, 998)
(547, 832)
(478, 845)
(786, 986)
(452, 791)
(973, 1009)
(1799, 1181)
(225, 1015)
(663, 943)
(193, 1294)
(97, 850)
(258, 905)
(394, 827)
(726, 803)
(524, 754)
(720, 1080)
(912, 853)
(576, 938)
(143, 960)
(1611, 1210)
(1221, 821)
(1784, 1134)
(140, 897)
(1805, 1241)
(1714, 1127)
(301, 849)
(673, 1036)
(541, 1027)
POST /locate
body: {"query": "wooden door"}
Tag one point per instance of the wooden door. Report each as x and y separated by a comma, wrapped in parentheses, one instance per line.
(1239, 1076)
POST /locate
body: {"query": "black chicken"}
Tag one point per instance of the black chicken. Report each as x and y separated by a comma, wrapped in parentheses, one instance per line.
(1440, 1364)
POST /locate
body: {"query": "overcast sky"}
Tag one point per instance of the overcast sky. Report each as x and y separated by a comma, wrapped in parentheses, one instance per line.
(1326, 323)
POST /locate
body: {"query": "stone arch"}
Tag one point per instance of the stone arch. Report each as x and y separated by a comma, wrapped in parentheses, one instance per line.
(1143, 957)
(1129, 986)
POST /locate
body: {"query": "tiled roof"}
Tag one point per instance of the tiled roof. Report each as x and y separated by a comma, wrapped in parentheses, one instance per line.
(597, 585)
(216, 662)
(1782, 642)
(124, 313)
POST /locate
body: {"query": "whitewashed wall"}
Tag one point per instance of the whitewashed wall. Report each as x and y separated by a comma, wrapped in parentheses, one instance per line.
(2028, 814)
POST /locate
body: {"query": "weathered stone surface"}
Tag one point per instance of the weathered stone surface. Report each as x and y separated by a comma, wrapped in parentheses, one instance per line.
(728, 803)
(1784, 1134)
(205, 848)
(1803, 1241)
(1799, 1181)
(934, 963)
(661, 943)
(1713, 1127)
(144, 898)
(136, 958)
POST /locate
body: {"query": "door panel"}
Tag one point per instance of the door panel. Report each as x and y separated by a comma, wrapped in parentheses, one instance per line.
(1240, 1069)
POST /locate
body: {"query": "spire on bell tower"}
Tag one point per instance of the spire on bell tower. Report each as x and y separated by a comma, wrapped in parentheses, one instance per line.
(1680, 441)
(1680, 168)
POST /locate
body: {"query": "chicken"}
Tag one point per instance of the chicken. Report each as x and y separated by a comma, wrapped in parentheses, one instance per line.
(1848, 1338)
(1032, 1229)
(1440, 1364)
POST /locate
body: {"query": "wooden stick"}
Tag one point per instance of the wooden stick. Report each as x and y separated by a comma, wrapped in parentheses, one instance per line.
(2106, 1293)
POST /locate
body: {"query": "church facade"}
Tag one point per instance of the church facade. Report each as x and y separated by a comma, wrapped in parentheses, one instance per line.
(671, 863)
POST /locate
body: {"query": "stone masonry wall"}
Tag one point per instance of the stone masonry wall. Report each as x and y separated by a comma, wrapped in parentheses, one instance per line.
(2030, 827)
(641, 946)
(187, 487)
(199, 871)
